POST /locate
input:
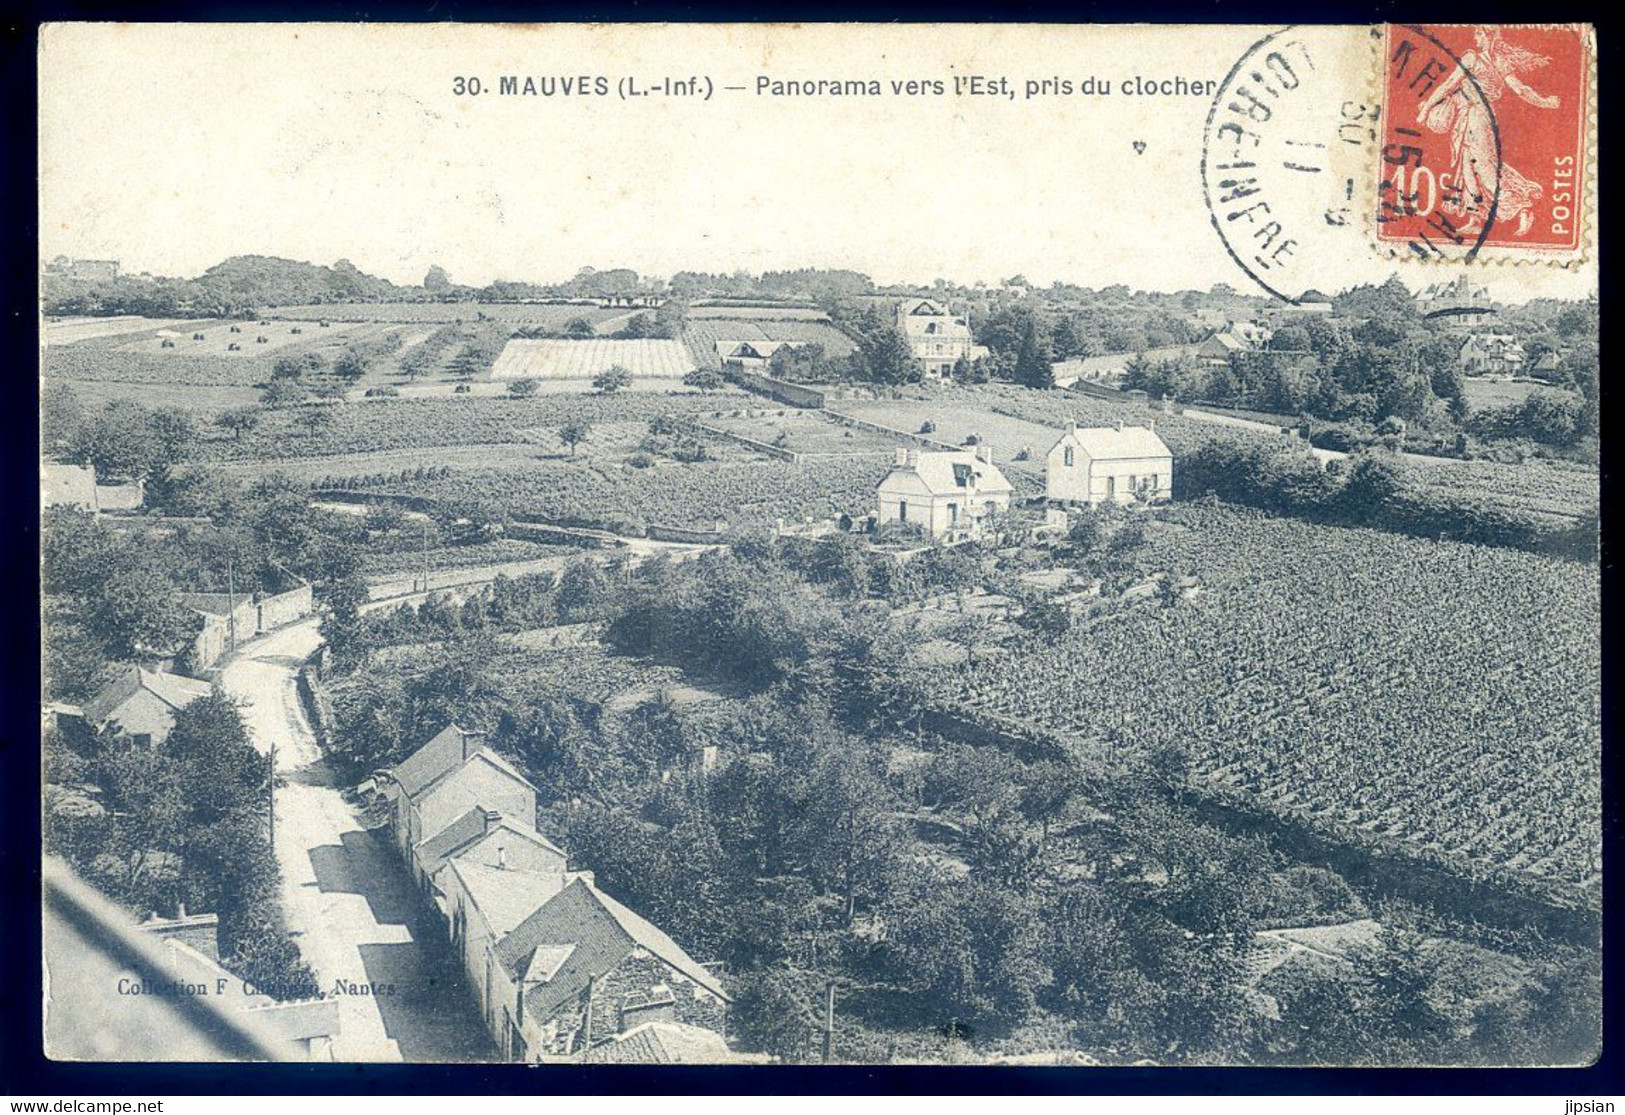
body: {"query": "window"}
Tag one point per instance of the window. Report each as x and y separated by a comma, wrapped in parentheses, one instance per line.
(953, 514)
(902, 510)
(1067, 456)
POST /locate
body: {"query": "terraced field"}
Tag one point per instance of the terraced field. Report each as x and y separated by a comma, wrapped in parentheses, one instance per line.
(584, 359)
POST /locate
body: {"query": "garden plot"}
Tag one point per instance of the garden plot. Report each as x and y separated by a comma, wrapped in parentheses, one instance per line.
(953, 423)
(558, 359)
(236, 339)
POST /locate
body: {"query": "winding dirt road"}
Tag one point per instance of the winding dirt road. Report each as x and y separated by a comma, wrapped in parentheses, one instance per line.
(360, 924)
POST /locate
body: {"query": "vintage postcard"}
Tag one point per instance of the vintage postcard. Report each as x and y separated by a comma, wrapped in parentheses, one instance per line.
(774, 545)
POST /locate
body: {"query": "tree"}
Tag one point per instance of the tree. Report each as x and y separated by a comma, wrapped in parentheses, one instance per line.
(315, 419)
(523, 388)
(574, 433)
(578, 329)
(351, 364)
(436, 281)
(281, 393)
(612, 380)
(704, 379)
(238, 420)
(887, 356)
(120, 442)
(61, 417)
(1032, 359)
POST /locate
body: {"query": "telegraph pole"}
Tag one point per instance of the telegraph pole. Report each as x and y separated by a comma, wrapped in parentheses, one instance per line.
(231, 607)
(425, 526)
(270, 796)
(829, 1020)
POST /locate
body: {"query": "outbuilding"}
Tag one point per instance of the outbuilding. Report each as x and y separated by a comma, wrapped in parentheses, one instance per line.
(1108, 464)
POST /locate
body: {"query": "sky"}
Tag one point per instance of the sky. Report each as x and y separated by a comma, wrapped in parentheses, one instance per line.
(170, 148)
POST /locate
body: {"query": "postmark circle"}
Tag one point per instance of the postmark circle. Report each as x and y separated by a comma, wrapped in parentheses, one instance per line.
(1308, 173)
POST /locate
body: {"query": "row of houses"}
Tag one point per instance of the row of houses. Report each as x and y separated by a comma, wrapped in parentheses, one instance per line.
(954, 494)
(560, 970)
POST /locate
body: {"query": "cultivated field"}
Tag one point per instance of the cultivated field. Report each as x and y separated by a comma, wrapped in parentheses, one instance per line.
(1438, 695)
(581, 360)
(702, 335)
(802, 431)
(737, 492)
(425, 425)
(759, 313)
(67, 330)
(446, 313)
(1482, 394)
(239, 340)
(1541, 487)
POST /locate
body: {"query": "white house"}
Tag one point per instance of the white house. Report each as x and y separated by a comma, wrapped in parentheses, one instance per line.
(950, 494)
(937, 338)
(1100, 464)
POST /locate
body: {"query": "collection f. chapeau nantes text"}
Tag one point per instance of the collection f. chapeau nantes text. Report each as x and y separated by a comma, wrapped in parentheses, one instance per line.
(703, 87)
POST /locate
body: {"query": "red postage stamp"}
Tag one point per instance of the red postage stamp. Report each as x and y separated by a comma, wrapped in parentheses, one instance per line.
(1485, 140)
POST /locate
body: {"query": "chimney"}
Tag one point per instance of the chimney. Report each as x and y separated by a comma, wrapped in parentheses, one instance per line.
(1071, 426)
(1119, 425)
(502, 857)
(493, 818)
(469, 747)
(913, 459)
(984, 453)
(901, 458)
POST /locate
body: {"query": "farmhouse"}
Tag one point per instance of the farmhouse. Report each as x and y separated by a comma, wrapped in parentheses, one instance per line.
(1486, 354)
(949, 494)
(142, 704)
(938, 339)
(748, 354)
(1108, 465)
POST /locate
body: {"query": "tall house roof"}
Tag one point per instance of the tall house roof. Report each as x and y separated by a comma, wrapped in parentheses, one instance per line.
(172, 689)
(442, 754)
(1106, 443)
(952, 472)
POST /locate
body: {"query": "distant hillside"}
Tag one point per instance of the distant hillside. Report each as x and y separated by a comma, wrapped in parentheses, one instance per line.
(237, 286)
(269, 281)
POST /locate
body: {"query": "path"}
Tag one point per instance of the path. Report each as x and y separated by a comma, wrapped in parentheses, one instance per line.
(347, 898)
